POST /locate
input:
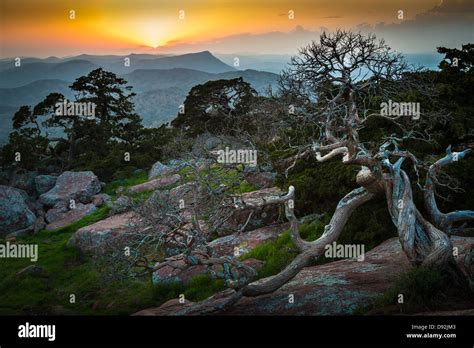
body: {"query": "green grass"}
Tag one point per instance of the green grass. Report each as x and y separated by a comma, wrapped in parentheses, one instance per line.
(199, 288)
(67, 271)
(243, 187)
(139, 178)
(217, 175)
(422, 288)
(202, 286)
(186, 170)
(279, 253)
(100, 214)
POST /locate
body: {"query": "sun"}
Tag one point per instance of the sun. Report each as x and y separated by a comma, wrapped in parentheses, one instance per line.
(154, 46)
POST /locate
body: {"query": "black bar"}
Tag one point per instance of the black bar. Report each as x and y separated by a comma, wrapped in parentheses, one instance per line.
(218, 330)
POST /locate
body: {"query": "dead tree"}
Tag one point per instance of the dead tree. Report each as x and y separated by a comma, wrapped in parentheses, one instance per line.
(332, 83)
(181, 225)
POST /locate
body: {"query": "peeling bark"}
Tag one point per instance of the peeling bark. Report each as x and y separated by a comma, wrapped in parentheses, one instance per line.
(424, 244)
(444, 221)
(310, 250)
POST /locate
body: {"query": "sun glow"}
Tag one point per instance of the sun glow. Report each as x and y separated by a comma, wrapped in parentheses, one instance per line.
(112, 26)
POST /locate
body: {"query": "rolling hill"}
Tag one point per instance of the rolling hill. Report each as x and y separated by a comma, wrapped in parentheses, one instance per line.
(160, 82)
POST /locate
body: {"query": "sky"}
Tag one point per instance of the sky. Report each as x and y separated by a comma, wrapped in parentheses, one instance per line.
(44, 28)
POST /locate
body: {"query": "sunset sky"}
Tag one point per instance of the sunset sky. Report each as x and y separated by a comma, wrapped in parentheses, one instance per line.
(44, 28)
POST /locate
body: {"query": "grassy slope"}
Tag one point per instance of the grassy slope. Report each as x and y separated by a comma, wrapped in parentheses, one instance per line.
(68, 272)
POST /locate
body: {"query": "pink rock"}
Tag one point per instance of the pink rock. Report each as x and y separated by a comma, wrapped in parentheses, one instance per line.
(171, 306)
(67, 218)
(335, 288)
(178, 271)
(247, 241)
(100, 199)
(261, 180)
(78, 186)
(155, 184)
(96, 237)
(54, 214)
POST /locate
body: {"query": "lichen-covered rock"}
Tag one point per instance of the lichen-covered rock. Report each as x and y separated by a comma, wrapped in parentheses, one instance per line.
(240, 244)
(120, 205)
(336, 288)
(71, 216)
(178, 271)
(26, 181)
(183, 192)
(44, 183)
(173, 305)
(171, 167)
(212, 142)
(77, 186)
(155, 184)
(14, 211)
(101, 199)
(262, 179)
(39, 225)
(158, 169)
(99, 236)
(54, 214)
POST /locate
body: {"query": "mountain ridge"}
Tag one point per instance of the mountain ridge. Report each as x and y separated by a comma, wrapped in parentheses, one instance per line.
(159, 91)
(68, 69)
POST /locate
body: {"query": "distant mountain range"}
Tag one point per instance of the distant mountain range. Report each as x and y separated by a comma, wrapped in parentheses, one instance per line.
(161, 82)
(33, 69)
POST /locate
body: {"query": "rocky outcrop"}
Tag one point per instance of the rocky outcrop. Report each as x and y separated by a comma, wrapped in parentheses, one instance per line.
(101, 199)
(77, 186)
(158, 169)
(54, 214)
(26, 181)
(335, 288)
(44, 183)
(98, 236)
(233, 245)
(245, 242)
(261, 179)
(178, 272)
(184, 192)
(121, 205)
(14, 211)
(155, 184)
(173, 166)
(62, 219)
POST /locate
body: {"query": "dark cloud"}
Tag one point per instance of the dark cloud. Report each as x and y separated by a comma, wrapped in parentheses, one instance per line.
(449, 24)
(454, 6)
